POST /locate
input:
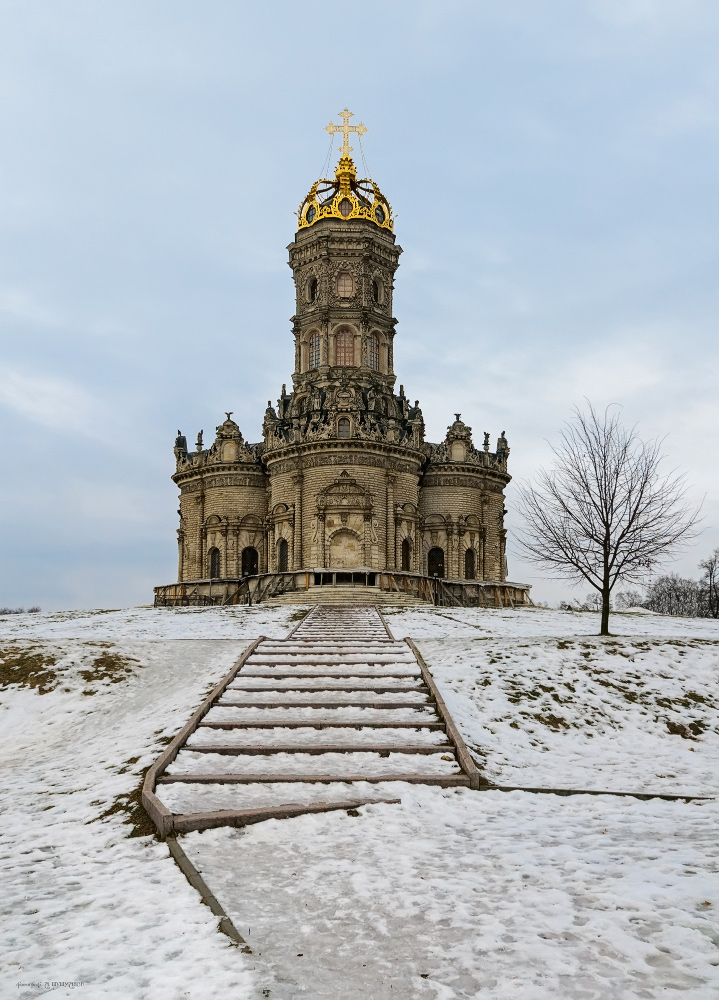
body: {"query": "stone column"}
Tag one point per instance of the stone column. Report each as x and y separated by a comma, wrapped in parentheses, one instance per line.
(180, 555)
(297, 554)
(200, 566)
(390, 528)
(321, 536)
(367, 539)
(450, 568)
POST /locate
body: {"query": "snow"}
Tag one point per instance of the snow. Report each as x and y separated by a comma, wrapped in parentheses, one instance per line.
(268, 695)
(222, 713)
(154, 623)
(81, 901)
(492, 895)
(309, 737)
(362, 762)
(182, 798)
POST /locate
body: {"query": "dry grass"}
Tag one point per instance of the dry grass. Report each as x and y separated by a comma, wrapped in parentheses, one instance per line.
(28, 666)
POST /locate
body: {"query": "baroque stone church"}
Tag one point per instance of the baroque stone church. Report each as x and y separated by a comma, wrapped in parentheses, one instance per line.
(343, 477)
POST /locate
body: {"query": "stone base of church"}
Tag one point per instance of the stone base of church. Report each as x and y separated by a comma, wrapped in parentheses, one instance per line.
(363, 580)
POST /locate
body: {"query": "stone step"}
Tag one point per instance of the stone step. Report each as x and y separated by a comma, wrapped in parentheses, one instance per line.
(345, 595)
(337, 715)
(230, 778)
(381, 705)
(239, 750)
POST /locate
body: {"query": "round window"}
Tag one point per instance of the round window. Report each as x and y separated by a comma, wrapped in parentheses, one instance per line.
(310, 213)
(345, 207)
(344, 285)
(379, 214)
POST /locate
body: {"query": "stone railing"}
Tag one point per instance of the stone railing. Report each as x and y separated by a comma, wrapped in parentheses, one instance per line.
(256, 589)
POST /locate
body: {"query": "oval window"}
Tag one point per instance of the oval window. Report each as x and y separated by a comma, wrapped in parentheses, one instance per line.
(345, 208)
(379, 214)
(310, 214)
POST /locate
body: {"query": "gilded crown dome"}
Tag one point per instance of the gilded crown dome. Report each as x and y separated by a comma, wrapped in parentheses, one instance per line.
(345, 196)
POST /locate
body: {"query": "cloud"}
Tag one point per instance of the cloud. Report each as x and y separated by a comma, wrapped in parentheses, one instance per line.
(16, 304)
(117, 503)
(625, 13)
(51, 402)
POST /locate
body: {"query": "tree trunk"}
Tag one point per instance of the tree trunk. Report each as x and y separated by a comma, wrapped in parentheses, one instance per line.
(606, 594)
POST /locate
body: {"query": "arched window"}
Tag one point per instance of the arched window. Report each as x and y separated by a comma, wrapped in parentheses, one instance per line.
(406, 554)
(469, 564)
(435, 562)
(374, 352)
(344, 347)
(313, 355)
(312, 290)
(282, 555)
(343, 427)
(250, 561)
(375, 291)
(214, 564)
(345, 285)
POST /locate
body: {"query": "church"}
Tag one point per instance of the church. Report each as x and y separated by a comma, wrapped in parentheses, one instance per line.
(343, 486)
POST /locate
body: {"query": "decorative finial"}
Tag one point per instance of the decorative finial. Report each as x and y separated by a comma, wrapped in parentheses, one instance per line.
(457, 416)
(229, 414)
(199, 442)
(345, 128)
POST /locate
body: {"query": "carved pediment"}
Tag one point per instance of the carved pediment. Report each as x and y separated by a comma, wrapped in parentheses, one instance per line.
(345, 494)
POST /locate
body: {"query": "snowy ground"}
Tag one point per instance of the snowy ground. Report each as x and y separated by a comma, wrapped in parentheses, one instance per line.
(452, 894)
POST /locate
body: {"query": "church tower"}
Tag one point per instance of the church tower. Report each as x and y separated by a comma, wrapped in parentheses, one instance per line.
(343, 478)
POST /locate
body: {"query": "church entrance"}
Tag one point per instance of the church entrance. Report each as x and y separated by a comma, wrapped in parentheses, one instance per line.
(406, 554)
(250, 561)
(282, 555)
(435, 562)
(345, 550)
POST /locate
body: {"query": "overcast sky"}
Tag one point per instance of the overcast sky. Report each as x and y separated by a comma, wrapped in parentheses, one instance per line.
(553, 168)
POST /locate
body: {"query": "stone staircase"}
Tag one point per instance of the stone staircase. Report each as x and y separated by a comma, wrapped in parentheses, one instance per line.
(345, 596)
(336, 715)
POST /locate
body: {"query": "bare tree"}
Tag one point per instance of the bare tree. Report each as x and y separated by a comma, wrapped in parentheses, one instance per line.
(604, 512)
(673, 595)
(710, 585)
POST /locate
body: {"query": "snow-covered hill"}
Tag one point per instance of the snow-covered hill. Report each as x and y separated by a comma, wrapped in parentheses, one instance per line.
(450, 894)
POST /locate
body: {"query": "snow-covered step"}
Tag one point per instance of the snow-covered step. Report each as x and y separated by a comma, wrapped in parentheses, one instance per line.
(189, 763)
(187, 798)
(329, 714)
(338, 714)
(321, 682)
(331, 699)
(337, 735)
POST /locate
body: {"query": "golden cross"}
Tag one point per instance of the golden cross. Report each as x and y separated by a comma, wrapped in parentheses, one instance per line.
(345, 128)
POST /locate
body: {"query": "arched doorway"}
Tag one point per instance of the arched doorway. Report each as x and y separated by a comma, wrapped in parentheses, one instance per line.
(214, 564)
(250, 561)
(406, 554)
(435, 562)
(282, 555)
(345, 550)
(469, 565)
